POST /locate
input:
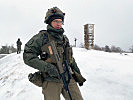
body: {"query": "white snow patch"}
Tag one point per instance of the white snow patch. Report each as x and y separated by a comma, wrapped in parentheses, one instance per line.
(109, 76)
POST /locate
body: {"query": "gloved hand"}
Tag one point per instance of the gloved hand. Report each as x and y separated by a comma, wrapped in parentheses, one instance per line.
(52, 71)
(80, 84)
(30, 76)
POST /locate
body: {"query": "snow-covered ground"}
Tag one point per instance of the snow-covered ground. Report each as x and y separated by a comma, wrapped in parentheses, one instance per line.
(109, 76)
(2, 55)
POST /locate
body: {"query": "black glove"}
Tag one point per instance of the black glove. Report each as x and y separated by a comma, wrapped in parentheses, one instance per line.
(80, 84)
(52, 71)
(30, 76)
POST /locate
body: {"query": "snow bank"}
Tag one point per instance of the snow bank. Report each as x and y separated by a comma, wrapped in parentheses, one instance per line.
(109, 76)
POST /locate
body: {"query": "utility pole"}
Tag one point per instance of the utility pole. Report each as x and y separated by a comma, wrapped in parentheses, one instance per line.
(75, 41)
(89, 36)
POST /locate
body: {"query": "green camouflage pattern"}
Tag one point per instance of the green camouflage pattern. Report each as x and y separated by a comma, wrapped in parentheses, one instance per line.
(31, 54)
(55, 11)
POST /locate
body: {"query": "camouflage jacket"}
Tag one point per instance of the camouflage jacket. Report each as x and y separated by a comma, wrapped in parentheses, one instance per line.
(19, 43)
(32, 51)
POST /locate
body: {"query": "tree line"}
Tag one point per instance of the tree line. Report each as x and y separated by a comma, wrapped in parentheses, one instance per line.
(106, 48)
(11, 49)
(111, 49)
(7, 49)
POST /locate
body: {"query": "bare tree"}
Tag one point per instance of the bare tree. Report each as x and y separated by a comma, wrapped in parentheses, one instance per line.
(7, 49)
(115, 49)
(107, 49)
(131, 48)
(96, 47)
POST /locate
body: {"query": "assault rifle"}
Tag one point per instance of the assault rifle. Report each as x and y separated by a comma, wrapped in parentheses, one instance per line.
(50, 49)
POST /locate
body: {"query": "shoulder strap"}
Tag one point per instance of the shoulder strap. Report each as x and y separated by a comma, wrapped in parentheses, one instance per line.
(45, 36)
(66, 41)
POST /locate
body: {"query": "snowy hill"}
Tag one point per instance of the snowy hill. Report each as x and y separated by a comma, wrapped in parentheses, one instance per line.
(2, 55)
(109, 76)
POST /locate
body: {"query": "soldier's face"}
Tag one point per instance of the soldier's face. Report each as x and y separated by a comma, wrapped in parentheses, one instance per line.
(57, 23)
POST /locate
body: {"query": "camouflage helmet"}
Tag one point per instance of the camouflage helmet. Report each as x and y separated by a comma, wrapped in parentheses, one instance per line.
(54, 13)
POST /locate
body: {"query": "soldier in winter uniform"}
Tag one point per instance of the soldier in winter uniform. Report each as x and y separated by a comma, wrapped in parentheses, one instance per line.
(52, 85)
(19, 43)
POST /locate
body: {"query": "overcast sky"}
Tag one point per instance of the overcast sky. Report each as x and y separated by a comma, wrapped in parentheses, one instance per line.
(113, 20)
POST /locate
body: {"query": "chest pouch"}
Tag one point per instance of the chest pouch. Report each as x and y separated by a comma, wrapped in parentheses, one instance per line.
(49, 54)
(60, 51)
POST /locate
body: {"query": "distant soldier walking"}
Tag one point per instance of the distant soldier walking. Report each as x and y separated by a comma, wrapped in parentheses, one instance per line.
(19, 43)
